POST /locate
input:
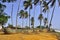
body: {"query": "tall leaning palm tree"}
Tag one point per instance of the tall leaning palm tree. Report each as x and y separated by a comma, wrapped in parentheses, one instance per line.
(46, 10)
(12, 10)
(51, 17)
(17, 13)
(52, 2)
(35, 4)
(40, 18)
(27, 4)
(12, 15)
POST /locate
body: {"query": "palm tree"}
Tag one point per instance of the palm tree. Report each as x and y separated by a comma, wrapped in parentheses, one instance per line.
(40, 18)
(46, 9)
(27, 4)
(17, 13)
(12, 11)
(35, 4)
(26, 16)
(32, 23)
(51, 17)
(12, 15)
(53, 5)
(22, 15)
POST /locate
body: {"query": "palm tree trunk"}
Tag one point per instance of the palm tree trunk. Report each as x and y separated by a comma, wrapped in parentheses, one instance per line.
(47, 17)
(40, 9)
(22, 22)
(40, 23)
(40, 13)
(17, 14)
(51, 17)
(33, 27)
(29, 17)
(26, 22)
(34, 17)
(34, 13)
(12, 15)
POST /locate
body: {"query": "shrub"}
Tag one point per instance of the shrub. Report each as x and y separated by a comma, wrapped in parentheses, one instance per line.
(9, 31)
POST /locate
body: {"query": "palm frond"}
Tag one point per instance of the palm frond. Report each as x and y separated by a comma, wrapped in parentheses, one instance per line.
(3, 0)
(8, 0)
(40, 17)
(36, 1)
(59, 2)
(53, 2)
(26, 14)
(49, 2)
(31, 7)
(45, 6)
(25, 4)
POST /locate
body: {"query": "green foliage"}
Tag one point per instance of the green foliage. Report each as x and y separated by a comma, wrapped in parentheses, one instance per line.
(26, 14)
(36, 1)
(27, 4)
(3, 19)
(45, 6)
(23, 14)
(40, 17)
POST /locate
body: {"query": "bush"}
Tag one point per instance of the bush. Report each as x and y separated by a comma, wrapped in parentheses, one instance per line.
(9, 31)
(10, 26)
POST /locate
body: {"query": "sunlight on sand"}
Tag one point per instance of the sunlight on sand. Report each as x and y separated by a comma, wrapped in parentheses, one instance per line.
(20, 36)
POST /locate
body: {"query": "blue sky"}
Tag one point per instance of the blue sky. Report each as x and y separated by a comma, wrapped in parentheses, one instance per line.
(56, 18)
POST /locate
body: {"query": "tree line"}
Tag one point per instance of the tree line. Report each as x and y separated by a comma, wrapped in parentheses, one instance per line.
(45, 6)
